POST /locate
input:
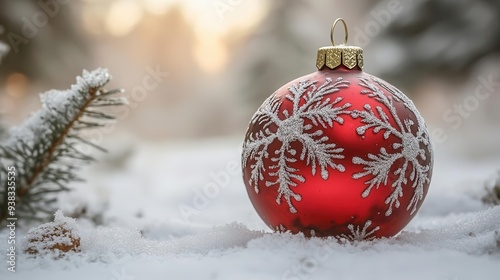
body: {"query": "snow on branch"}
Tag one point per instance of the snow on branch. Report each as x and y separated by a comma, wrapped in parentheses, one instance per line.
(43, 150)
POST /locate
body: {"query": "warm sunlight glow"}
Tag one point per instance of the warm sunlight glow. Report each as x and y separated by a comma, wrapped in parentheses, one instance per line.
(216, 17)
(222, 16)
(210, 54)
(16, 85)
(123, 16)
(213, 21)
(158, 7)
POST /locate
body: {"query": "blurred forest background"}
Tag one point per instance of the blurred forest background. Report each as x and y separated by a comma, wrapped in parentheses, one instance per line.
(224, 57)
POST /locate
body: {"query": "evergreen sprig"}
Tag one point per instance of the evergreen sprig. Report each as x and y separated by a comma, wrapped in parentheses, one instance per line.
(45, 150)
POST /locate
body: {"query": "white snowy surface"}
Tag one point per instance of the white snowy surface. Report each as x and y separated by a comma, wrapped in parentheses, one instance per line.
(157, 225)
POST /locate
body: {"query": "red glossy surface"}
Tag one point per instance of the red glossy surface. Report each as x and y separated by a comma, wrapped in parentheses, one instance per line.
(335, 206)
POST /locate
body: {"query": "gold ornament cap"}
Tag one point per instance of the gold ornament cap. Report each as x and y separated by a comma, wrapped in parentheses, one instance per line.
(336, 55)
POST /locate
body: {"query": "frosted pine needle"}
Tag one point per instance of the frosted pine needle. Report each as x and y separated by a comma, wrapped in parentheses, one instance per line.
(44, 149)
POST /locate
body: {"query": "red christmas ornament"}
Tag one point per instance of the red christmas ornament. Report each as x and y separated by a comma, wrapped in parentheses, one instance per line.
(337, 152)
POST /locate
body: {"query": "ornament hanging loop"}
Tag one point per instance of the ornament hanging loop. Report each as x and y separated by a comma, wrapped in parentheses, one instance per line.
(342, 54)
(333, 29)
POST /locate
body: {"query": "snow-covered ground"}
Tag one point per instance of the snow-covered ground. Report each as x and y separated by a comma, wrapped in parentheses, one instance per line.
(159, 224)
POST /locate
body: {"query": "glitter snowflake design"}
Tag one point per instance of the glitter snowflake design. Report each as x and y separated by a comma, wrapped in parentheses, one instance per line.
(360, 234)
(282, 229)
(378, 167)
(310, 103)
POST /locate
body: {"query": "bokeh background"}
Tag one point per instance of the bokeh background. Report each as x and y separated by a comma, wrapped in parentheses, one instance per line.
(224, 57)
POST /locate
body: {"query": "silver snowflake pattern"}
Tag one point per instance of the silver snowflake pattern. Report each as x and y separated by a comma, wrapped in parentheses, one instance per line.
(281, 229)
(360, 234)
(310, 103)
(408, 148)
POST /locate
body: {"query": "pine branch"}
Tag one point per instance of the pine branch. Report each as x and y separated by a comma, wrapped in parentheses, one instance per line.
(44, 150)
